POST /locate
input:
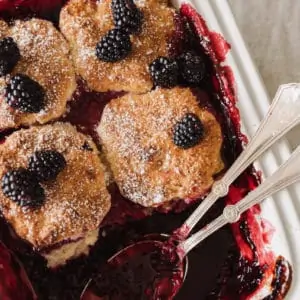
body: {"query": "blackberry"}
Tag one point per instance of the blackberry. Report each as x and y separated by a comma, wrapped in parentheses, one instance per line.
(192, 68)
(126, 15)
(46, 164)
(164, 72)
(188, 131)
(9, 55)
(114, 46)
(24, 94)
(22, 187)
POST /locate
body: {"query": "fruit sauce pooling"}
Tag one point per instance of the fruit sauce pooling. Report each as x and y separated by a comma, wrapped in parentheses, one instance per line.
(225, 266)
(14, 283)
(145, 270)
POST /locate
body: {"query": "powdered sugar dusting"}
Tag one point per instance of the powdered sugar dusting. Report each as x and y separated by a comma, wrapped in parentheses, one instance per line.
(136, 134)
(45, 59)
(140, 3)
(67, 211)
(85, 23)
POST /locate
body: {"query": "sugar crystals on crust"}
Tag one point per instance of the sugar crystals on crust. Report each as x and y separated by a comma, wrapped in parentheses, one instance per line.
(136, 132)
(75, 202)
(44, 58)
(85, 22)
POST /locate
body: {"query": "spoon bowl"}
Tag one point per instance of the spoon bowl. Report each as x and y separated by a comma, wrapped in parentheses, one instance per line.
(154, 260)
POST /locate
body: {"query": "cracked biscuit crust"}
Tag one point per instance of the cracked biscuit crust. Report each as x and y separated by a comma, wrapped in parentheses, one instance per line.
(76, 201)
(45, 59)
(136, 135)
(84, 22)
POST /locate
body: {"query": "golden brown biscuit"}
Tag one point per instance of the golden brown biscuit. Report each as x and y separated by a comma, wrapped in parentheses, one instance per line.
(136, 134)
(85, 22)
(45, 59)
(76, 201)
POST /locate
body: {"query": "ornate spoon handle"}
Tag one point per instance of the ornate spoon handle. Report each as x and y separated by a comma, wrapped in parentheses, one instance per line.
(283, 115)
(287, 174)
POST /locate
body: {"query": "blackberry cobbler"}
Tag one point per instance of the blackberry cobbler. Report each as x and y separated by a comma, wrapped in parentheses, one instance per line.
(116, 117)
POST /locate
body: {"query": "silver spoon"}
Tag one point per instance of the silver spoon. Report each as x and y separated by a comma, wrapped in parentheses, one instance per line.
(283, 115)
(286, 175)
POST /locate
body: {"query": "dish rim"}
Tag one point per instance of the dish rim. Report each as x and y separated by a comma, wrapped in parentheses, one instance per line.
(256, 100)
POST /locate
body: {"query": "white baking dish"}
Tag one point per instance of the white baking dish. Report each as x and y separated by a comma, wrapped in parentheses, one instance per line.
(283, 210)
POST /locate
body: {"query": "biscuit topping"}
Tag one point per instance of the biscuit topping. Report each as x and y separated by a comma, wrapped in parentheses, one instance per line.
(76, 202)
(9, 55)
(84, 23)
(137, 138)
(24, 94)
(44, 59)
(46, 164)
(188, 131)
(126, 15)
(114, 46)
(22, 187)
(164, 72)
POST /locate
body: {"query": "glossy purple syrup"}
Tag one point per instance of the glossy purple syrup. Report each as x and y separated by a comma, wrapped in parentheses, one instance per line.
(231, 264)
(145, 270)
(14, 283)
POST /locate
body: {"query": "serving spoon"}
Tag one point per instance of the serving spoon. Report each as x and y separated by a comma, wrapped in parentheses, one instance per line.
(283, 115)
(176, 270)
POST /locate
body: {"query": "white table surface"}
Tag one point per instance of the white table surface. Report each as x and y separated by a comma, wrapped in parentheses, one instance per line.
(271, 30)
